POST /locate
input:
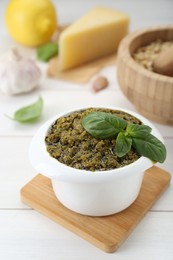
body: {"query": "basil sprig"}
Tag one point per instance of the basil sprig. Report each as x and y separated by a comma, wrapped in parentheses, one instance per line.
(47, 51)
(103, 125)
(30, 113)
(123, 144)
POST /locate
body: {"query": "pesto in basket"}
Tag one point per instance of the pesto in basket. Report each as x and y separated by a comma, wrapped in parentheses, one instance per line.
(69, 143)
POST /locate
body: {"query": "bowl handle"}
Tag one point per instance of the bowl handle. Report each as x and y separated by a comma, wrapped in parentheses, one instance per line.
(47, 170)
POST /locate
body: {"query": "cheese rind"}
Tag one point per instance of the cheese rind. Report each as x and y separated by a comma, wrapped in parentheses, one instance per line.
(96, 34)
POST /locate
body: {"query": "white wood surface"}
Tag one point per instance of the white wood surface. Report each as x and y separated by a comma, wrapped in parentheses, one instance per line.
(26, 234)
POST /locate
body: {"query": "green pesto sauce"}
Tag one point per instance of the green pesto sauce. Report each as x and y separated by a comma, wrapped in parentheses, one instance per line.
(69, 143)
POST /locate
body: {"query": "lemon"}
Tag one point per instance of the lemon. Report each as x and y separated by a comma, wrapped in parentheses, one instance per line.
(31, 22)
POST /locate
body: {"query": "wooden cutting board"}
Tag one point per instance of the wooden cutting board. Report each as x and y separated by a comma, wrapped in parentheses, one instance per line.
(106, 233)
(80, 74)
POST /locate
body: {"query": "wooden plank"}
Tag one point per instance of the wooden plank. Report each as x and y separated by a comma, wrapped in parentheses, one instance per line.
(107, 233)
(70, 96)
(28, 235)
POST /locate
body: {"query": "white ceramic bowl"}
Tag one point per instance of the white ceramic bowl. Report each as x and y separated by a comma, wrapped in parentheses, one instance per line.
(98, 193)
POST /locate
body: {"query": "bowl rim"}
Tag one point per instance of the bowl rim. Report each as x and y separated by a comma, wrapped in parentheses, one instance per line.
(125, 49)
(42, 161)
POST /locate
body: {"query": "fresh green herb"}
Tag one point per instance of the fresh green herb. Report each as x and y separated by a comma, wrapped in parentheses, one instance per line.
(150, 147)
(47, 51)
(138, 131)
(123, 144)
(103, 125)
(29, 113)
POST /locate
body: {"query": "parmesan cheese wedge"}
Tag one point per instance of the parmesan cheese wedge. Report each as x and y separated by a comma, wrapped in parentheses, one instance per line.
(96, 34)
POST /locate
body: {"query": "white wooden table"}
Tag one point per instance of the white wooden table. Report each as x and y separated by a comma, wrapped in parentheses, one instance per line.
(26, 234)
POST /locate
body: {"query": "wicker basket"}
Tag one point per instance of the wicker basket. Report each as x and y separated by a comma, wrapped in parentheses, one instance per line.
(151, 93)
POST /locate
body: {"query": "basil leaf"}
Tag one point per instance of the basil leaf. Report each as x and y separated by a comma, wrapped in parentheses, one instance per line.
(150, 147)
(29, 113)
(138, 131)
(103, 125)
(47, 51)
(123, 144)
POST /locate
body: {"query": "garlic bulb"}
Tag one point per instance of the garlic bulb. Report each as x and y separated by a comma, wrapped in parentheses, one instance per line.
(17, 74)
